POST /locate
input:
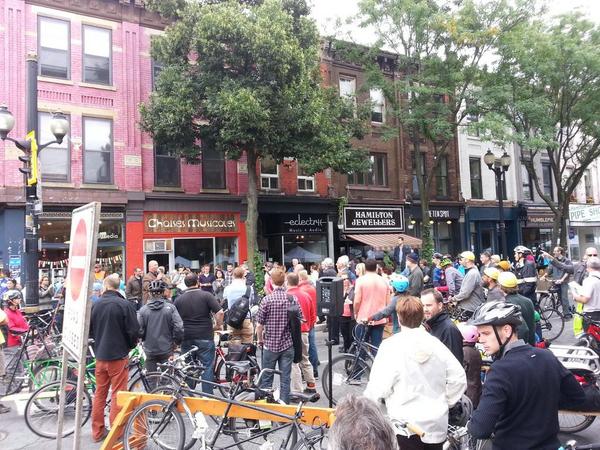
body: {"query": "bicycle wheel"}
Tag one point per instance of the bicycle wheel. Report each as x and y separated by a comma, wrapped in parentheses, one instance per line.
(12, 381)
(153, 425)
(151, 381)
(44, 373)
(573, 423)
(552, 323)
(41, 411)
(350, 375)
(315, 440)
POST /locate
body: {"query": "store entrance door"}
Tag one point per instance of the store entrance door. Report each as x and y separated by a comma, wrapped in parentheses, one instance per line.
(161, 258)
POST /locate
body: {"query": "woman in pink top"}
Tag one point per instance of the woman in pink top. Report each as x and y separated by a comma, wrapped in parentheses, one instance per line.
(371, 294)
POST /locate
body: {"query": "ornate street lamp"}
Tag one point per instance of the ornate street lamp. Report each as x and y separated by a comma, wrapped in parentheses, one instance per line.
(499, 166)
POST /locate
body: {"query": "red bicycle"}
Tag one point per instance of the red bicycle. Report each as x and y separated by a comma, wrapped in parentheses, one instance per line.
(223, 375)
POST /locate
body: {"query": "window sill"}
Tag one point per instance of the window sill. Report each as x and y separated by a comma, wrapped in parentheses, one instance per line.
(57, 184)
(214, 191)
(98, 86)
(107, 187)
(369, 188)
(167, 189)
(308, 193)
(55, 80)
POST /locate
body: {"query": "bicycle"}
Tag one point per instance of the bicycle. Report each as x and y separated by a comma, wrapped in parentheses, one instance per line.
(550, 300)
(224, 377)
(350, 371)
(159, 422)
(572, 445)
(552, 322)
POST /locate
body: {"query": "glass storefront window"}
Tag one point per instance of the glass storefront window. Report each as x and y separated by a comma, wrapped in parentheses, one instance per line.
(198, 251)
(226, 251)
(307, 248)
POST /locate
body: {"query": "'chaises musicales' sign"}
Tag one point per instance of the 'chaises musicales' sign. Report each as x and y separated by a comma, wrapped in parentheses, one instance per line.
(369, 219)
(189, 222)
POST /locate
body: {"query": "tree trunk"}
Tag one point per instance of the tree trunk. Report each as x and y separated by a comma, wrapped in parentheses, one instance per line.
(252, 214)
(427, 239)
(564, 231)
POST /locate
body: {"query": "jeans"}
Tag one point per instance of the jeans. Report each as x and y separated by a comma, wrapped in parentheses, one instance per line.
(563, 295)
(313, 355)
(374, 334)
(205, 355)
(284, 360)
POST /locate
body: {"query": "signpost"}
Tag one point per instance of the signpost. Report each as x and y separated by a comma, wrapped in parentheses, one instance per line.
(82, 256)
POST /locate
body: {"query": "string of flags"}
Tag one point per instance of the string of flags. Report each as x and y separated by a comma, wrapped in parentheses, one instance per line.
(46, 264)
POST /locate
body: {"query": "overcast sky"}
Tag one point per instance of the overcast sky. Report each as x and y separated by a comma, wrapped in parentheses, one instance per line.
(327, 12)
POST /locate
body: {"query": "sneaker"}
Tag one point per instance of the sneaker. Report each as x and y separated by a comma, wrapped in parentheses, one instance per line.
(315, 374)
(4, 409)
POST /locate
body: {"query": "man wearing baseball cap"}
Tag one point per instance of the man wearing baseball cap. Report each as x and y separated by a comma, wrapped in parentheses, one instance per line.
(415, 276)
(509, 285)
(470, 296)
(489, 281)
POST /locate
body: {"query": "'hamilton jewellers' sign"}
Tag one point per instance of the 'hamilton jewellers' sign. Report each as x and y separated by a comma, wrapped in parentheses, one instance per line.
(304, 223)
(366, 219)
(189, 223)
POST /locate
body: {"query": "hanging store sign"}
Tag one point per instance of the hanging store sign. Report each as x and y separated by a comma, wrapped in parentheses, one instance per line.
(540, 218)
(304, 223)
(189, 223)
(584, 213)
(373, 219)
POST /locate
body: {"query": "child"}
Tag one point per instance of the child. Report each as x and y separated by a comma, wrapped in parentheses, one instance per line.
(471, 361)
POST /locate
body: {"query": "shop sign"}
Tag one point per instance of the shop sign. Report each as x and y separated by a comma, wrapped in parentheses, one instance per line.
(304, 223)
(540, 220)
(189, 223)
(373, 219)
(437, 213)
(584, 213)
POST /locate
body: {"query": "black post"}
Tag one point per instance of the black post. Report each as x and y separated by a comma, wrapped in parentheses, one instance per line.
(501, 224)
(30, 255)
(329, 358)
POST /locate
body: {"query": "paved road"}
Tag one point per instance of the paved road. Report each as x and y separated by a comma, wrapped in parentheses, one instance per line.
(19, 437)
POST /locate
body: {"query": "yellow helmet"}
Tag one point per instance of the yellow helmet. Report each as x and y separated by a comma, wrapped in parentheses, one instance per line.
(468, 255)
(507, 279)
(492, 272)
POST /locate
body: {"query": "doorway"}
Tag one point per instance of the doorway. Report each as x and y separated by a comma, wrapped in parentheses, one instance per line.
(161, 258)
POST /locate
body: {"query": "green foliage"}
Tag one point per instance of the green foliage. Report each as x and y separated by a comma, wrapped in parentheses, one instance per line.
(259, 273)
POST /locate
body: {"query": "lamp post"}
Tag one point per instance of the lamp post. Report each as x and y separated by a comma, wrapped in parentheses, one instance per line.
(499, 166)
(59, 126)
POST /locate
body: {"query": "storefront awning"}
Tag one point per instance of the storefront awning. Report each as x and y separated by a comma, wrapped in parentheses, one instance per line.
(385, 241)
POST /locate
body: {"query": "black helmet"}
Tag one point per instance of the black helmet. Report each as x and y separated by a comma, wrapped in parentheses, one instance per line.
(497, 313)
(14, 295)
(157, 286)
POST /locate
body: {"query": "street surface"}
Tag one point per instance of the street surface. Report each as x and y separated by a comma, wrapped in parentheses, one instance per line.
(20, 438)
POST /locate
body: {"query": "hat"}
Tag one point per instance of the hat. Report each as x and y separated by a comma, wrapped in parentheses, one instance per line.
(491, 272)
(437, 255)
(468, 255)
(413, 257)
(445, 262)
(504, 265)
(507, 279)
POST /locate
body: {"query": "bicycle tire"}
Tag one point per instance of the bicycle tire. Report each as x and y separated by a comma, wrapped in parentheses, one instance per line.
(148, 413)
(44, 404)
(315, 440)
(552, 328)
(150, 381)
(343, 367)
(44, 374)
(574, 423)
(14, 373)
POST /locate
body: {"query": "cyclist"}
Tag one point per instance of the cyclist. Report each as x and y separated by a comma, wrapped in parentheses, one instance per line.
(417, 378)
(470, 295)
(3, 322)
(559, 271)
(16, 320)
(526, 273)
(524, 389)
(439, 324)
(489, 281)
(508, 284)
(161, 327)
(400, 285)
(452, 275)
(471, 361)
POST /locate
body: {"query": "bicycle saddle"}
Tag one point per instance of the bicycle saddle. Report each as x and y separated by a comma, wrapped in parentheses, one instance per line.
(297, 397)
(240, 367)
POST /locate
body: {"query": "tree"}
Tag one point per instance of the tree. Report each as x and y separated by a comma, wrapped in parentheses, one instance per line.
(244, 78)
(544, 95)
(441, 47)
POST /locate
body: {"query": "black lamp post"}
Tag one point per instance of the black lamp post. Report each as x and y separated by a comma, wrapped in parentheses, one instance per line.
(499, 166)
(59, 126)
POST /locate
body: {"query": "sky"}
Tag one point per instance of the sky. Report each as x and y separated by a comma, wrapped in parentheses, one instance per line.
(327, 12)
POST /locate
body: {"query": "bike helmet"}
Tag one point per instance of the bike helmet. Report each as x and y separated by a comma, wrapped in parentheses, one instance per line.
(157, 286)
(497, 313)
(522, 249)
(469, 333)
(445, 262)
(461, 412)
(399, 282)
(14, 295)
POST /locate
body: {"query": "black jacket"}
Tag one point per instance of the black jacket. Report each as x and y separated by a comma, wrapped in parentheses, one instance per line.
(113, 326)
(527, 276)
(526, 330)
(472, 365)
(160, 327)
(444, 329)
(521, 397)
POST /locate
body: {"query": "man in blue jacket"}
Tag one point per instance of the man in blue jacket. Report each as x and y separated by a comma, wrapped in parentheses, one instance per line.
(524, 389)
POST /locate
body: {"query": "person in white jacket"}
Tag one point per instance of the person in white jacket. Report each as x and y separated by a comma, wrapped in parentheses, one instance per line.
(417, 378)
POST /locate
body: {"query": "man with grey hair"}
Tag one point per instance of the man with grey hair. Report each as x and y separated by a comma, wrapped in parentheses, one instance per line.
(153, 274)
(360, 425)
(327, 268)
(590, 294)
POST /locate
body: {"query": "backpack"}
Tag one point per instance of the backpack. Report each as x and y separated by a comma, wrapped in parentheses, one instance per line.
(294, 314)
(239, 310)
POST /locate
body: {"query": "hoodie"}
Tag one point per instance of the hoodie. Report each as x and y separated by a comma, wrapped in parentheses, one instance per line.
(418, 378)
(161, 326)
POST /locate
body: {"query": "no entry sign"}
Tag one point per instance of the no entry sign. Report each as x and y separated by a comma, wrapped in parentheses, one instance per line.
(82, 256)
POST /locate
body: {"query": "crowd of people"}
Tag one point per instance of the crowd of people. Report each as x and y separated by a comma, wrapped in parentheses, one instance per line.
(425, 365)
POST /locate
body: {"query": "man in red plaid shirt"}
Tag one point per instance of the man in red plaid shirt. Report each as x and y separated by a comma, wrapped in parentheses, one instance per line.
(274, 335)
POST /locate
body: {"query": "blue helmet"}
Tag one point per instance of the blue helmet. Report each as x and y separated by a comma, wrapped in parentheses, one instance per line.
(399, 282)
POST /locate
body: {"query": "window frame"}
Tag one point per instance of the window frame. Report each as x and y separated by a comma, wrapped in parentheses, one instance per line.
(529, 183)
(41, 18)
(472, 160)
(223, 160)
(110, 54)
(67, 148)
(445, 178)
(352, 98)
(178, 165)
(370, 177)
(269, 177)
(547, 166)
(153, 68)
(307, 179)
(588, 188)
(378, 105)
(85, 150)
